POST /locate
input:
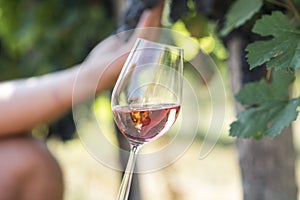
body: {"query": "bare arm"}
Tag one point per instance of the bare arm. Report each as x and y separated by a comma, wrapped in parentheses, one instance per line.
(28, 102)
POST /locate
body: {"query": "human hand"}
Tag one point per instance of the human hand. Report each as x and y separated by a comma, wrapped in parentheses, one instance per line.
(104, 63)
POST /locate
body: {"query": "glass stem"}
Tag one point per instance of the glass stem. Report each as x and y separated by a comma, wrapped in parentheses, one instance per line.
(126, 182)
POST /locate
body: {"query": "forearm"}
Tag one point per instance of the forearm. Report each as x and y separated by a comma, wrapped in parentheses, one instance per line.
(25, 103)
(29, 102)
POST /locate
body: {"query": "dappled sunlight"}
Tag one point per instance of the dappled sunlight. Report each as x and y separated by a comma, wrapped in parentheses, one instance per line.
(6, 90)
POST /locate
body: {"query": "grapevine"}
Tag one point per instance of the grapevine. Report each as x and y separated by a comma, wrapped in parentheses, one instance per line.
(276, 46)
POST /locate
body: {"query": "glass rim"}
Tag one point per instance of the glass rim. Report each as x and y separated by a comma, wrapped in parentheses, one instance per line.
(159, 44)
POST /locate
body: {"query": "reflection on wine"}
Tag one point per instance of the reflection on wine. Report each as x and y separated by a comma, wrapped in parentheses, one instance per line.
(145, 123)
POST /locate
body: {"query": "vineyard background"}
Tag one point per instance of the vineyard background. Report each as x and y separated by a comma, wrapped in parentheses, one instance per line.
(40, 37)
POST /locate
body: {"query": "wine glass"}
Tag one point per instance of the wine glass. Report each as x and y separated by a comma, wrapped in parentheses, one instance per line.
(147, 97)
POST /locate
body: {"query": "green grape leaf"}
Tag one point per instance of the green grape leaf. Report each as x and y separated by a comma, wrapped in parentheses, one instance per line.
(269, 108)
(282, 51)
(239, 13)
(262, 92)
(287, 114)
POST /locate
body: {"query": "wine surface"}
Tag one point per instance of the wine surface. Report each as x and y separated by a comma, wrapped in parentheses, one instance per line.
(146, 123)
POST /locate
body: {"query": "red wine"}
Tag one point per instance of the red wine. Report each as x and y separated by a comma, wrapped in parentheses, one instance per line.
(146, 123)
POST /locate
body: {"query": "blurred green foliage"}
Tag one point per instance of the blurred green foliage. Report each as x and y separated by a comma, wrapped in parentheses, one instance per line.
(37, 37)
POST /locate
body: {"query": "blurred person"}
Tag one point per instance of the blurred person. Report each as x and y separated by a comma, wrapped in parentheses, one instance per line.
(28, 171)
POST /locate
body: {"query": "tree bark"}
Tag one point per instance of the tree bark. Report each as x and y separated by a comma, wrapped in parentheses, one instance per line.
(267, 166)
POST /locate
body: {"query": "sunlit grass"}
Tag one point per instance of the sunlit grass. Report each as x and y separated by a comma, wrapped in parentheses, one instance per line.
(188, 178)
(85, 178)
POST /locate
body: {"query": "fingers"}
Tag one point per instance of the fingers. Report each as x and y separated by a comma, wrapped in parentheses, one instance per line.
(115, 45)
(150, 18)
(147, 28)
